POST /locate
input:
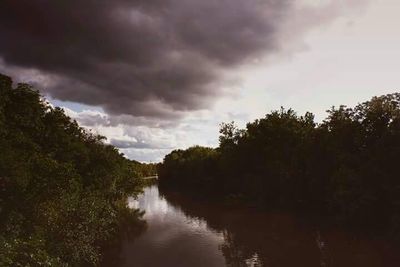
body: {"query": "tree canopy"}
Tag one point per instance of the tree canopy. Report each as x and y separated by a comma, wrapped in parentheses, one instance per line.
(59, 184)
(345, 166)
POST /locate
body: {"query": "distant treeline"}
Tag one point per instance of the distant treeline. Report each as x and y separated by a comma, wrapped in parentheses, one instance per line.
(144, 169)
(348, 166)
(59, 184)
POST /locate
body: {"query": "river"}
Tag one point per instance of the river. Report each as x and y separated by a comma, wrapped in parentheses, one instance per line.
(186, 232)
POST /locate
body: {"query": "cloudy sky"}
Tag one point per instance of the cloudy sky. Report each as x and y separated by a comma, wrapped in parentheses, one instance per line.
(155, 75)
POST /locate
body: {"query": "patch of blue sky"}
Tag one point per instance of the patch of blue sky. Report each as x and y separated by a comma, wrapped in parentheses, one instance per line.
(75, 106)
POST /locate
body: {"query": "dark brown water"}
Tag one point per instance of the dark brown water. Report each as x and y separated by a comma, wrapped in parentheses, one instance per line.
(185, 232)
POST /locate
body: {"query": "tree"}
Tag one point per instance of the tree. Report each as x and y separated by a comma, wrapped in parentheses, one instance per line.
(58, 184)
(346, 166)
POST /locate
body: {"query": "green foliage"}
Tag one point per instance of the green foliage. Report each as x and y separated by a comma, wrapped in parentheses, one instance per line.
(145, 169)
(58, 184)
(346, 166)
(191, 168)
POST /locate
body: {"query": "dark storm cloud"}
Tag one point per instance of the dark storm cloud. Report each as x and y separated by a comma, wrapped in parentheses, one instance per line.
(154, 58)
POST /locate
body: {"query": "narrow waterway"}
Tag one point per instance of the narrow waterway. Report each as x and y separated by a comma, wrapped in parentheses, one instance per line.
(185, 232)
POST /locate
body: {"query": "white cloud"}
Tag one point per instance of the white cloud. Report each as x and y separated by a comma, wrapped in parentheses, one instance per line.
(146, 141)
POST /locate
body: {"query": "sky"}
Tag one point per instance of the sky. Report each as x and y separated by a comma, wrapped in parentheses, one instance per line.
(153, 76)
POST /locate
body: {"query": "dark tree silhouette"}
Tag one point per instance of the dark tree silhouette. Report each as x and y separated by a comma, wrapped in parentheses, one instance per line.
(346, 166)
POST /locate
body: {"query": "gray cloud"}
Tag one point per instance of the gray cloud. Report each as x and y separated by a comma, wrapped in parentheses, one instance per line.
(144, 58)
(145, 155)
(92, 118)
(149, 58)
(130, 144)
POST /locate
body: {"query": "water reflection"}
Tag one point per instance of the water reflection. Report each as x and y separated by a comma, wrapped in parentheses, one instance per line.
(172, 238)
(185, 232)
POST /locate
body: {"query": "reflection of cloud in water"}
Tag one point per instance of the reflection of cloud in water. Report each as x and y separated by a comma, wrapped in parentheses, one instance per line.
(172, 238)
(151, 203)
(253, 261)
(184, 232)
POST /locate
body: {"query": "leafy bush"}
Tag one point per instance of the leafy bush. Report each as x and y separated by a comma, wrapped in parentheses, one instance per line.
(58, 184)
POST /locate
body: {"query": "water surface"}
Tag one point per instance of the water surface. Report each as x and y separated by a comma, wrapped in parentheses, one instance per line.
(185, 232)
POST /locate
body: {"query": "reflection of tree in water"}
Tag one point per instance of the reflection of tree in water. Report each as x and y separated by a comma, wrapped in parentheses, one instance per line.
(275, 240)
(254, 238)
(236, 255)
(131, 225)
